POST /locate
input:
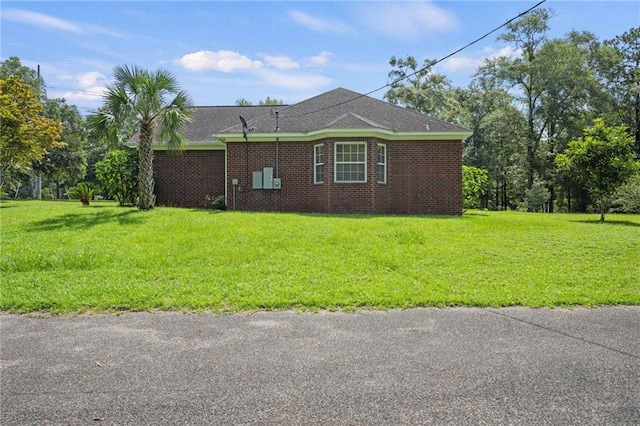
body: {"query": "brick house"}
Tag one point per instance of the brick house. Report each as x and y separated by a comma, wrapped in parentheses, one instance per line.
(339, 152)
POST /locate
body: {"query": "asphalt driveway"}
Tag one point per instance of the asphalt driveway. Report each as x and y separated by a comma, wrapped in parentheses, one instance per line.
(418, 366)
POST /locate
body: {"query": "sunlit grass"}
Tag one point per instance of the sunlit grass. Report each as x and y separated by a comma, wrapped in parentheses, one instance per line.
(62, 257)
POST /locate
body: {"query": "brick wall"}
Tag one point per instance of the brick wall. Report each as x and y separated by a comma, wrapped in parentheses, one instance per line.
(422, 178)
(184, 179)
(425, 177)
(291, 161)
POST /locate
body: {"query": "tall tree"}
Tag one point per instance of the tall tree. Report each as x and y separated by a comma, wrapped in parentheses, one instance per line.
(565, 103)
(155, 101)
(65, 165)
(13, 67)
(498, 131)
(420, 89)
(602, 160)
(626, 75)
(527, 34)
(25, 136)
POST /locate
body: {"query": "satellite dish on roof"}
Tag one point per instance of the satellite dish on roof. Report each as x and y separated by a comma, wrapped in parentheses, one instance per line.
(245, 128)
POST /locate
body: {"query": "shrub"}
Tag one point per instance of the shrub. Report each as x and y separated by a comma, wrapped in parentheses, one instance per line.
(215, 203)
(627, 199)
(474, 184)
(118, 174)
(83, 191)
(537, 197)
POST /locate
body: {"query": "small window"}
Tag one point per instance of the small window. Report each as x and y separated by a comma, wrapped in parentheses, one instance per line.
(318, 164)
(351, 162)
(382, 163)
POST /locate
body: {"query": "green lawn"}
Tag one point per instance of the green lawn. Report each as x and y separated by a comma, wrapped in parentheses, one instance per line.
(62, 257)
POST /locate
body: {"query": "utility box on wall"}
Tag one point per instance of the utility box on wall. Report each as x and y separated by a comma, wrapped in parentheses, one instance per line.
(257, 180)
(267, 178)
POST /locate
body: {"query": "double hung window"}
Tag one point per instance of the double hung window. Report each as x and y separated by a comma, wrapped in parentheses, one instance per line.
(350, 162)
(382, 163)
(318, 164)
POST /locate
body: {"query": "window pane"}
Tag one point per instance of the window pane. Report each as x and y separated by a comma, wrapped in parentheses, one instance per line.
(319, 173)
(350, 162)
(382, 163)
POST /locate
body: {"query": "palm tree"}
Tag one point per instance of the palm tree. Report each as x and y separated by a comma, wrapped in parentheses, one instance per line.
(150, 100)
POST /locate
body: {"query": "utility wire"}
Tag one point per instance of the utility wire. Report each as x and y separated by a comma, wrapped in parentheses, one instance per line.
(422, 69)
(431, 64)
(87, 92)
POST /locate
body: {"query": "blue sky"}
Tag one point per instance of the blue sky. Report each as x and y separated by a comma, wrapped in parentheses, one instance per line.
(224, 51)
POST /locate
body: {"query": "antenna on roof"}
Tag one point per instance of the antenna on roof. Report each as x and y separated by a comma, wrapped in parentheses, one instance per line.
(274, 113)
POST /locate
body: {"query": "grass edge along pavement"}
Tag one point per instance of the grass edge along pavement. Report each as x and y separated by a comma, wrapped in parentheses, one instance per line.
(60, 257)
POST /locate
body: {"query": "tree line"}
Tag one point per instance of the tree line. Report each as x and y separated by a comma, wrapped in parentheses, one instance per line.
(524, 110)
(556, 127)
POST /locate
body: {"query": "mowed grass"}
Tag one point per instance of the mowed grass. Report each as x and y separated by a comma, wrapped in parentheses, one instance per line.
(60, 257)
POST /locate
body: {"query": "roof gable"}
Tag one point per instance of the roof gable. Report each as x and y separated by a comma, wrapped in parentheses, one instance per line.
(352, 121)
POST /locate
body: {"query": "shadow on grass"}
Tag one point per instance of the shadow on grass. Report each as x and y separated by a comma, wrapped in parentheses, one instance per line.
(87, 220)
(609, 222)
(355, 216)
(475, 214)
(360, 216)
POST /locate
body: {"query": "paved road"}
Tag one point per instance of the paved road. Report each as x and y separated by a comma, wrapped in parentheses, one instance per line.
(418, 366)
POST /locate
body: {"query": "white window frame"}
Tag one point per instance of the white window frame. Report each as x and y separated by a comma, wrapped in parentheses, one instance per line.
(316, 163)
(382, 163)
(336, 162)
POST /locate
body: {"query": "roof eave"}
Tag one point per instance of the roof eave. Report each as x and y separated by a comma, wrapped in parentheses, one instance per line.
(212, 145)
(341, 133)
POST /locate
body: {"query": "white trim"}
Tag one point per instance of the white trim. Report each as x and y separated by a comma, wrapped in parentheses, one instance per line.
(335, 161)
(344, 133)
(216, 145)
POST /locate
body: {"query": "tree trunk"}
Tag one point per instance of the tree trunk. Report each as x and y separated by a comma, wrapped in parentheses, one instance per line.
(505, 201)
(603, 207)
(146, 197)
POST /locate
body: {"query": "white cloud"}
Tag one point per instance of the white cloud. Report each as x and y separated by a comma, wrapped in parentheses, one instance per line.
(407, 21)
(222, 60)
(466, 63)
(506, 51)
(52, 23)
(91, 79)
(320, 59)
(294, 80)
(40, 20)
(89, 86)
(281, 62)
(319, 24)
(461, 63)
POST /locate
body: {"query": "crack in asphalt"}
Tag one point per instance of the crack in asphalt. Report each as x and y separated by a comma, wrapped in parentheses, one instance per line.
(564, 333)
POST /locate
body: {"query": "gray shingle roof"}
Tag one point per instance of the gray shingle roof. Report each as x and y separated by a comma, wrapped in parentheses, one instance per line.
(342, 108)
(210, 120)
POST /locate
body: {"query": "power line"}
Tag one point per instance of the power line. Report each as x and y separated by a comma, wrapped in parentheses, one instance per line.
(85, 92)
(424, 68)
